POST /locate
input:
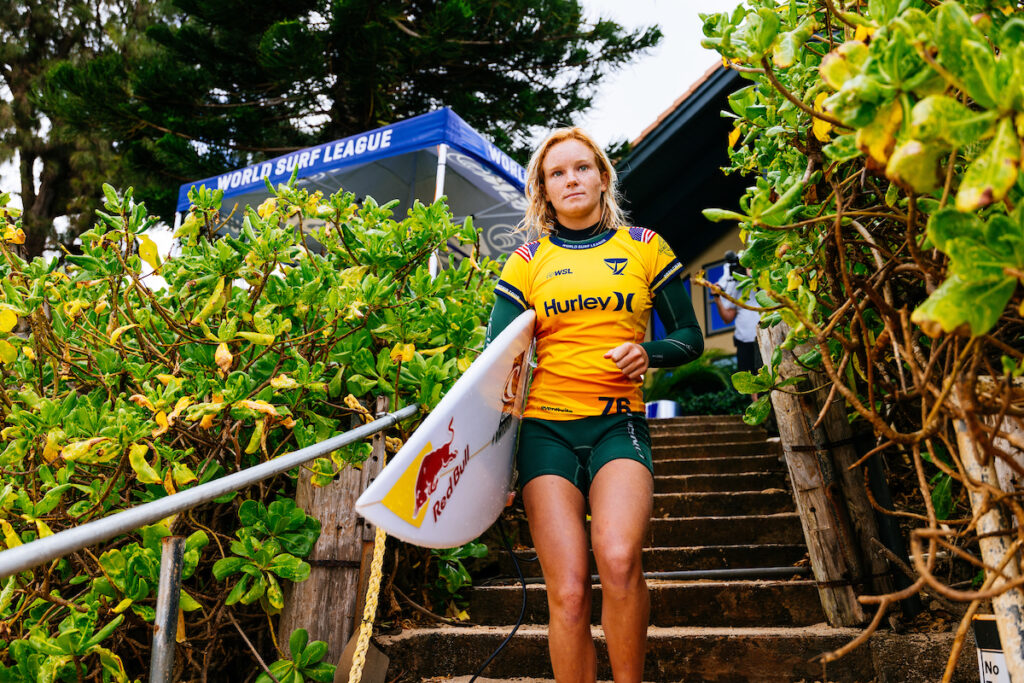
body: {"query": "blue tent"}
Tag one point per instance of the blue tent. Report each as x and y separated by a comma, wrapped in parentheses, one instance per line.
(420, 158)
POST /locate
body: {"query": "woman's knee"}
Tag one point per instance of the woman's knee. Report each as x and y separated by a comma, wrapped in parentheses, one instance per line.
(569, 600)
(620, 566)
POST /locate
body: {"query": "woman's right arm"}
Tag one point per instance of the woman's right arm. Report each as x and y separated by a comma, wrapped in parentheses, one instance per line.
(503, 313)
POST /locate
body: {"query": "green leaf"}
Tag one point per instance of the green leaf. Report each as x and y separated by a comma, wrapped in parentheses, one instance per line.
(358, 385)
(789, 44)
(746, 383)
(290, 567)
(227, 566)
(942, 496)
(757, 412)
(297, 642)
(964, 51)
(942, 118)
(993, 173)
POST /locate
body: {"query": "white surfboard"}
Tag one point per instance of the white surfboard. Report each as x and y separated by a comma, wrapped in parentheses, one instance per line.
(450, 480)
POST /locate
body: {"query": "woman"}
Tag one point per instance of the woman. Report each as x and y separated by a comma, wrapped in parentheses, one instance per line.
(584, 436)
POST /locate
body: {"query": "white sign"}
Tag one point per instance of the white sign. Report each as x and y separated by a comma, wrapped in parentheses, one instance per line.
(993, 666)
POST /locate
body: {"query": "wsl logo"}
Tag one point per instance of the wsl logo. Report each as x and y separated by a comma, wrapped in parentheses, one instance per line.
(590, 303)
(616, 264)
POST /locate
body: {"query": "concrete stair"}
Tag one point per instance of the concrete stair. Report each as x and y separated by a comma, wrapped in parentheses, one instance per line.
(722, 502)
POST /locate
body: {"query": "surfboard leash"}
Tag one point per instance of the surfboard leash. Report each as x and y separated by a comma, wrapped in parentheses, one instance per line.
(522, 610)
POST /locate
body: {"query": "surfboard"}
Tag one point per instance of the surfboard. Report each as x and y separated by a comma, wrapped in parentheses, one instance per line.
(450, 480)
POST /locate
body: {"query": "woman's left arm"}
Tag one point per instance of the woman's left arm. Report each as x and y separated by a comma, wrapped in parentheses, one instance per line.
(684, 342)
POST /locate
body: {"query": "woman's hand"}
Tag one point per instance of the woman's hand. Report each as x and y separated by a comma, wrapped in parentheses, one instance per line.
(631, 359)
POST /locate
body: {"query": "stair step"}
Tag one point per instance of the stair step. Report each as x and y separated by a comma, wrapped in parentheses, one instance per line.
(673, 654)
(691, 558)
(722, 504)
(733, 421)
(735, 530)
(719, 465)
(688, 437)
(714, 449)
(739, 481)
(718, 655)
(673, 603)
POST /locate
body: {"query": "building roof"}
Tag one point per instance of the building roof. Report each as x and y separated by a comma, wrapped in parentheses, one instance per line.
(675, 105)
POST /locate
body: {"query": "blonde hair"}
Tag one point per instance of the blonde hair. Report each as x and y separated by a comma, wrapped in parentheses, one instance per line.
(540, 215)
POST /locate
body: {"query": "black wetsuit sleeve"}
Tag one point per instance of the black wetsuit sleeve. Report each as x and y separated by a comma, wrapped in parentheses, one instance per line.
(502, 315)
(684, 342)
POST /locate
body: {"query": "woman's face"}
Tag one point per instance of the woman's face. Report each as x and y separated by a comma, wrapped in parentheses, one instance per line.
(573, 184)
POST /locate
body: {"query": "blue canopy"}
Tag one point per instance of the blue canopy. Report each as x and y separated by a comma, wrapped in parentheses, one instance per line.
(415, 159)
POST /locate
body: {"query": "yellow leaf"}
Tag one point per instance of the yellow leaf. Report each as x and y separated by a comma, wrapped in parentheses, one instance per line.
(183, 475)
(734, 136)
(259, 407)
(148, 252)
(166, 379)
(81, 449)
(179, 406)
(403, 352)
(211, 303)
(13, 235)
(116, 334)
(435, 351)
(169, 483)
(8, 319)
(29, 353)
(122, 606)
(43, 529)
(821, 128)
(268, 207)
(863, 32)
(162, 424)
(8, 354)
(464, 363)
(288, 422)
(284, 382)
(101, 306)
(51, 450)
(179, 634)
(10, 538)
(143, 470)
(223, 357)
(258, 338)
(256, 438)
(206, 422)
(142, 401)
(793, 281)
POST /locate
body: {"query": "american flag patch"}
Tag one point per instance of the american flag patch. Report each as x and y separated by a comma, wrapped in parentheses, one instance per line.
(528, 250)
(641, 234)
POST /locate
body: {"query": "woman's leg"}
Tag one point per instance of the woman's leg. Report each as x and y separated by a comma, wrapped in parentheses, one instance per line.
(555, 510)
(621, 499)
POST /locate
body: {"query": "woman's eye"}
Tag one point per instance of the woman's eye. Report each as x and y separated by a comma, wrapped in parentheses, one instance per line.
(555, 174)
(584, 167)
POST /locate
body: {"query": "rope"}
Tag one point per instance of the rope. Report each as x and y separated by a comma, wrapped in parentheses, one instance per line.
(370, 611)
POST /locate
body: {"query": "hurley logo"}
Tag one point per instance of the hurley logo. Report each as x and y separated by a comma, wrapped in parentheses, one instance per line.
(616, 264)
(590, 303)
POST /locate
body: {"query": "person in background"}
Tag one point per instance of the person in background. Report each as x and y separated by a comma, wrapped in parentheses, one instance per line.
(583, 440)
(748, 355)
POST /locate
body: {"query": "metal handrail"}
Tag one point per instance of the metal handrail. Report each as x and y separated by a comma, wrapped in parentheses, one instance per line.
(29, 555)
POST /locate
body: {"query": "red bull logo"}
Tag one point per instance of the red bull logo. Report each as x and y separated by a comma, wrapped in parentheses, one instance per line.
(430, 469)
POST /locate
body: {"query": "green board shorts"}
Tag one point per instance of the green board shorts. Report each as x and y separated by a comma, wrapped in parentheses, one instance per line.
(577, 449)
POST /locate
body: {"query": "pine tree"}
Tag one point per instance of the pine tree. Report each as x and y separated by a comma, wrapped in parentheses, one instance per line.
(219, 84)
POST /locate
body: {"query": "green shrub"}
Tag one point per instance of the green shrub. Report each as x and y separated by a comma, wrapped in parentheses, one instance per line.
(116, 392)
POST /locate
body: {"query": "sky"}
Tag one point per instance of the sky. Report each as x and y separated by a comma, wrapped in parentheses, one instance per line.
(632, 98)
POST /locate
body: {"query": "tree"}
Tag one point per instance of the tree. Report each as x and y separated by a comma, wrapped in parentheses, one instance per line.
(224, 83)
(59, 169)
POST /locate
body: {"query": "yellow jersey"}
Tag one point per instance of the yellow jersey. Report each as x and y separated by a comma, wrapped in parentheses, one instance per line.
(590, 297)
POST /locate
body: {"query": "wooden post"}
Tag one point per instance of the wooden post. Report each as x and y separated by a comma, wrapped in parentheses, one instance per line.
(996, 531)
(325, 604)
(862, 516)
(819, 500)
